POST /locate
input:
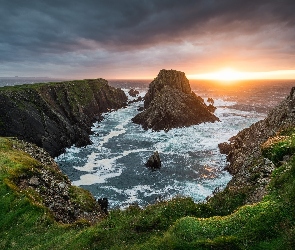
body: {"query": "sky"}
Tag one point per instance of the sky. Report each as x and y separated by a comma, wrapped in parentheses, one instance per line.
(132, 39)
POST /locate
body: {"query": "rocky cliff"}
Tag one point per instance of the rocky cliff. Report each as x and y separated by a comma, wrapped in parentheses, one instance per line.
(39, 177)
(56, 115)
(250, 168)
(170, 103)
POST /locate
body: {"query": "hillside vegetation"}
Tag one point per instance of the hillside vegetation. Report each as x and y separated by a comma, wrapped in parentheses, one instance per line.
(26, 223)
(40, 209)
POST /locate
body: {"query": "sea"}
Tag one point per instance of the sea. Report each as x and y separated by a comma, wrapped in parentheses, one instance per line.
(113, 166)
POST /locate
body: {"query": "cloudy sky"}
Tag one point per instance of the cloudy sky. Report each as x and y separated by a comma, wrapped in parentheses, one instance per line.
(137, 38)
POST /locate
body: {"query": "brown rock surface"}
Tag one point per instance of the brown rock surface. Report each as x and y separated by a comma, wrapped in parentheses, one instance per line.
(154, 161)
(170, 103)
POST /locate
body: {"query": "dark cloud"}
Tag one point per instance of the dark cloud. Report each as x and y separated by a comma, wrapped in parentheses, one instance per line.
(35, 30)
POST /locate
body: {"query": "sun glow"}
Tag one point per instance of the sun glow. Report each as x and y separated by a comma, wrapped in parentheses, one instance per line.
(229, 75)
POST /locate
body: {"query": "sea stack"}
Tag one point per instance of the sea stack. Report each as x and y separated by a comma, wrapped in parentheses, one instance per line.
(170, 103)
(154, 162)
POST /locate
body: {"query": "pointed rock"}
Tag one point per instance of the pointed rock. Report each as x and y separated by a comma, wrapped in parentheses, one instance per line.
(170, 103)
(154, 161)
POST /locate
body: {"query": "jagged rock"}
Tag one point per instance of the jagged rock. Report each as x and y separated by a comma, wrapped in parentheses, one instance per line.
(210, 100)
(133, 92)
(170, 103)
(154, 162)
(248, 166)
(56, 115)
(211, 108)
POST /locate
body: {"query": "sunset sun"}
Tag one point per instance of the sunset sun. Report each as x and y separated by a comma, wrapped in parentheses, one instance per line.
(227, 74)
(223, 75)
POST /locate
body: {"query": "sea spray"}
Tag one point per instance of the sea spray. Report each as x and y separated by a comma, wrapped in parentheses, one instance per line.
(113, 166)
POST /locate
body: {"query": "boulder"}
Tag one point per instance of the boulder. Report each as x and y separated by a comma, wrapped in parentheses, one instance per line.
(170, 103)
(154, 162)
(133, 92)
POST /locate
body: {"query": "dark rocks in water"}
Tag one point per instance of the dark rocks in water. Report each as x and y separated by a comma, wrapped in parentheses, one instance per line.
(104, 204)
(133, 92)
(140, 108)
(56, 115)
(210, 100)
(154, 162)
(170, 103)
(211, 108)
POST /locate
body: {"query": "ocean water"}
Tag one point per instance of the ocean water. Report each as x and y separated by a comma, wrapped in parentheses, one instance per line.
(11, 81)
(114, 165)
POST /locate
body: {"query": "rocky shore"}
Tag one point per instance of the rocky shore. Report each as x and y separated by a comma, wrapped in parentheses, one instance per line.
(250, 169)
(170, 103)
(56, 115)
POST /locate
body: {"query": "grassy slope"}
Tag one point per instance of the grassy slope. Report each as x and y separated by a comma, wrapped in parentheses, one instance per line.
(177, 224)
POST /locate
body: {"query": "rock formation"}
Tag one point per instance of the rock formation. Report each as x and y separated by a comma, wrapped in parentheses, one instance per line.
(133, 92)
(154, 161)
(170, 103)
(55, 189)
(56, 115)
(249, 168)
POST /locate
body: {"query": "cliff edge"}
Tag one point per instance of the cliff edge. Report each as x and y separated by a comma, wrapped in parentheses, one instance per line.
(56, 115)
(170, 103)
(246, 152)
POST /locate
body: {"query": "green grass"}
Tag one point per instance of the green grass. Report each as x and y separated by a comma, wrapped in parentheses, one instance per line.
(277, 147)
(176, 224)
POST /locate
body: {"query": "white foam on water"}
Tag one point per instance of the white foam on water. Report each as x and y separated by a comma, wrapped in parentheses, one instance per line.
(116, 137)
(101, 170)
(222, 103)
(118, 130)
(96, 178)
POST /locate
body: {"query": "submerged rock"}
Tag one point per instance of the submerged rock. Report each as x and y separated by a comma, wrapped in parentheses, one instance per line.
(154, 162)
(170, 103)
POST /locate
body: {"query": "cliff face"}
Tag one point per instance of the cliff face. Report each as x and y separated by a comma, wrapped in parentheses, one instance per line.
(170, 103)
(56, 115)
(34, 173)
(250, 169)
